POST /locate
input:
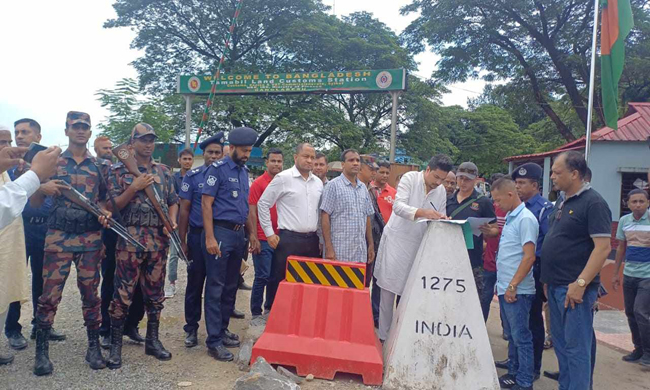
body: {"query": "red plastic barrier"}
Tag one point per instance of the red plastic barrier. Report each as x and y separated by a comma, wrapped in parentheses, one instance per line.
(322, 330)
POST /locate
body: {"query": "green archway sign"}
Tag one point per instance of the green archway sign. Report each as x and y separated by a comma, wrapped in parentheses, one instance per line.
(356, 81)
(392, 81)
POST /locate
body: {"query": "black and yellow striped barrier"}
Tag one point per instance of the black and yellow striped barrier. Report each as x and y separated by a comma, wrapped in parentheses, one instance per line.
(326, 273)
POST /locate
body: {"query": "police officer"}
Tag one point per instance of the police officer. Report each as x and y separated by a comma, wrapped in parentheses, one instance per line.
(190, 192)
(224, 208)
(143, 223)
(527, 178)
(73, 236)
(103, 146)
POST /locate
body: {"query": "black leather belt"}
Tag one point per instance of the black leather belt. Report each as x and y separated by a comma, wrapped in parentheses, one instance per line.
(298, 234)
(228, 225)
(196, 230)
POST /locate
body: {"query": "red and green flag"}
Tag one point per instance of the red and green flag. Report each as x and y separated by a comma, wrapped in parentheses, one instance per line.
(616, 23)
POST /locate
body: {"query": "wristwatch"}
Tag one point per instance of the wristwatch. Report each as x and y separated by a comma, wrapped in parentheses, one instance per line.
(512, 288)
(581, 282)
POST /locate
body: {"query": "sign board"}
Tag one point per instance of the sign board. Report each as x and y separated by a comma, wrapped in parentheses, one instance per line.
(438, 339)
(355, 81)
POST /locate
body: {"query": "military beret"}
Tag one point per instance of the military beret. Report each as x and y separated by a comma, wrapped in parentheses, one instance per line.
(528, 171)
(215, 139)
(75, 117)
(242, 136)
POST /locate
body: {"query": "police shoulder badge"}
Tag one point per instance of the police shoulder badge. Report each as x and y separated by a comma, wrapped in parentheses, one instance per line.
(211, 181)
(185, 187)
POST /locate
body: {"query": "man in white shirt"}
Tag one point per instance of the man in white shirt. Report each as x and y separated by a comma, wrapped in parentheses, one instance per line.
(419, 195)
(296, 193)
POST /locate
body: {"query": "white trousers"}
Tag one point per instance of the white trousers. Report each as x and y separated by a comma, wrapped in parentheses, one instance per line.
(386, 307)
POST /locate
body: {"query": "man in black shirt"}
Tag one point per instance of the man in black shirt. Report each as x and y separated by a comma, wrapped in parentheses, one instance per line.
(466, 202)
(573, 253)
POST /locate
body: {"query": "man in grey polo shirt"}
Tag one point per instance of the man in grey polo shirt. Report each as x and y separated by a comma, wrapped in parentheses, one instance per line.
(573, 253)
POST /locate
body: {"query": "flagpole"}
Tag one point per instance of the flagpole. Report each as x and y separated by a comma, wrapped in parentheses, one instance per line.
(592, 77)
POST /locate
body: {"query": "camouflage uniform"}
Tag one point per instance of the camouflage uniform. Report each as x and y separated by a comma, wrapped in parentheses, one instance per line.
(148, 267)
(66, 243)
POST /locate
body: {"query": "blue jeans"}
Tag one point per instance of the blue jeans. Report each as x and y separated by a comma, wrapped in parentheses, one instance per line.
(489, 281)
(262, 264)
(520, 340)
(573, 337)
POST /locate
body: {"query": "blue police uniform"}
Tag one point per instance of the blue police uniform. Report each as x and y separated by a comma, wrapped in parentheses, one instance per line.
(541, 209)
(227, 182)
(192, 189)
(35, 222)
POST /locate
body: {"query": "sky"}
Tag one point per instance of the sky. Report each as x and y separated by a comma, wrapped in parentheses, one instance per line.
(56, 55)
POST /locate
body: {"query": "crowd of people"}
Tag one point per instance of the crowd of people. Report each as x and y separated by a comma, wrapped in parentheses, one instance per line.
(534, 254)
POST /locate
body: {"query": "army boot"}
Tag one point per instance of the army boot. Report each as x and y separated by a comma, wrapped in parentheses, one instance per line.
(42, 363)
(152, 345)
(94, 354)
(115, 358)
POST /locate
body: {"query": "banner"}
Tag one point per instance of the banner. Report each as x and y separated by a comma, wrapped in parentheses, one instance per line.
(297, 82)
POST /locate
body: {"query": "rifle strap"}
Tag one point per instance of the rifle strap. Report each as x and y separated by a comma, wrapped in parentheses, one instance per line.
(116, 213)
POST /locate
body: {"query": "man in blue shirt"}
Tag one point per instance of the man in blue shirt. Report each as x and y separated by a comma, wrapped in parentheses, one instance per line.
(27, 131)
(224, 207)
(515, 282)
(190, 192)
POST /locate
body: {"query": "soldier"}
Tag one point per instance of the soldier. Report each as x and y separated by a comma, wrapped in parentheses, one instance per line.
(73, 236)
(224, 207)
(103, 146)
(190, 214)
(144, 224)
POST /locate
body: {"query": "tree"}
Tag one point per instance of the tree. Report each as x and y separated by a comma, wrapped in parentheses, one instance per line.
(544, 43)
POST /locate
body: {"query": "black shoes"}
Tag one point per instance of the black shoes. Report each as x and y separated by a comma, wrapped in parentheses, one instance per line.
(115, 358)
(17, 341)
(152, 345)
(94, 354)
(645, 362)
(6, 359)
(54, 335)
(191, 339)
(507, 381)
(502, 364)
(237, 314)
(555, 375)
(231, 335)
(230, 343)
(134, 335)
(221, 353)
(42, 363)
(633, 356)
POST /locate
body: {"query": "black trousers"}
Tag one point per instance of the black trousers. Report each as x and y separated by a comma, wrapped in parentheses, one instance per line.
(136, 310)
(291, 244)
(636, 294)
(375, 291)
(195, 281)
(536, 319)
(34, 249)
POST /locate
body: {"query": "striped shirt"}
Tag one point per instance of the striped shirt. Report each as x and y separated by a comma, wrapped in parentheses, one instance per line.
(348, 207)
(636, 233)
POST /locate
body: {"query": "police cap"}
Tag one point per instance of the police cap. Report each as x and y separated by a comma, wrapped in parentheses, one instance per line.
(142, 129)
(74, 117)
(242, 136)
(215, 139)
(528, 171)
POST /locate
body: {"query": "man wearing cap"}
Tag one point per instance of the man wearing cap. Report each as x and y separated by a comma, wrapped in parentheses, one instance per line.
(143, 223)
(527, 178)
(345, 214)
(73, 236)
(103, 147)
(467, 202)
(224, 206)
(190, 192)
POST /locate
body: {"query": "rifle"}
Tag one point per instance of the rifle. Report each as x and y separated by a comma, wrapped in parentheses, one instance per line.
(78, 198)
(123, 153)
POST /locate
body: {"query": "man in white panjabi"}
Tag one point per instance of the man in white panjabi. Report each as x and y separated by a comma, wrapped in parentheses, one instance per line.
(419, 195)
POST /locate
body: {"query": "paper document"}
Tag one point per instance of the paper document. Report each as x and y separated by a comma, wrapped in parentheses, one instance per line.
(475, 223)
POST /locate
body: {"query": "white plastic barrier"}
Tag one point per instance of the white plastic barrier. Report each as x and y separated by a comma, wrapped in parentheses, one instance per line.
(438, 339)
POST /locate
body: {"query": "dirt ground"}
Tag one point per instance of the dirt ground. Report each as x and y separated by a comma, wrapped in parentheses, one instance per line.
(195, 366)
